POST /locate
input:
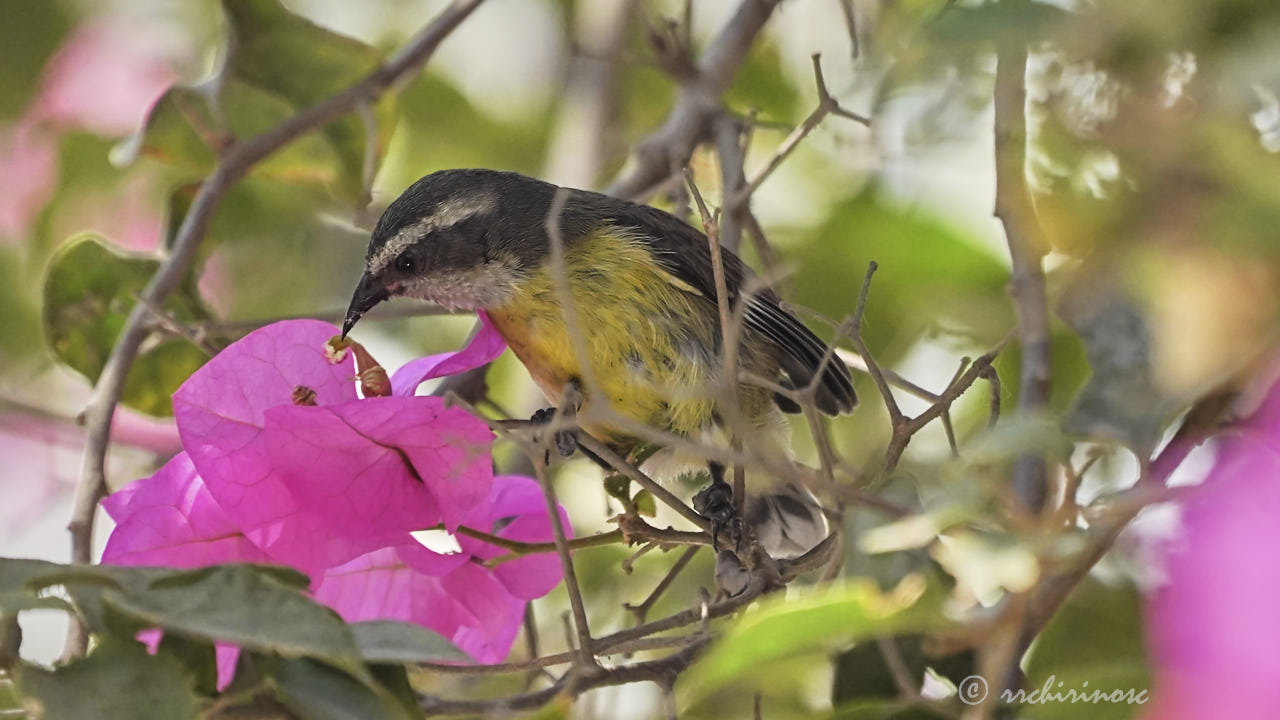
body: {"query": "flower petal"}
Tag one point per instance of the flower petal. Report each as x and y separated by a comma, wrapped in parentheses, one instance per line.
(221, 411)
(383, 465)
(465, 605)
(483, 348)
(1213, 628)
(171, 519)
(517, 505)
(225, 656)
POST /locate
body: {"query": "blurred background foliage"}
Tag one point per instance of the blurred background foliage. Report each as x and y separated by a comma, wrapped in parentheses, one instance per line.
(1153, 158)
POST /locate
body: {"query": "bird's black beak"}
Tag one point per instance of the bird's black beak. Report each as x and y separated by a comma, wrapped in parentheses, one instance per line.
(368, 293)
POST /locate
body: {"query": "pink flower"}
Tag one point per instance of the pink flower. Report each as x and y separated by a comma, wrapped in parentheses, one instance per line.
(103, 80)
(1214, 629)
(334, 489)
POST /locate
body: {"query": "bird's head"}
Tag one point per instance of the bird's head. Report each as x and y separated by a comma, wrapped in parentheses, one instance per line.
(459, 238)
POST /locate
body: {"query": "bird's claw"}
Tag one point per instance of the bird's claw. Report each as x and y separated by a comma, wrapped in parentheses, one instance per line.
(566, 441)
(715, 503)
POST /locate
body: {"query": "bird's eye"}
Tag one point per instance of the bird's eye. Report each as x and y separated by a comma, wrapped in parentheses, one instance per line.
(405, 264)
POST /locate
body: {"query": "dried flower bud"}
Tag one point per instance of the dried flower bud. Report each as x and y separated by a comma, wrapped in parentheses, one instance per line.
(374, 382)
(336, 349)
(303, 395)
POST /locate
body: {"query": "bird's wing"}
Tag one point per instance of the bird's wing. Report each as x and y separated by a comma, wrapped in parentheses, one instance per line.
(685, 253)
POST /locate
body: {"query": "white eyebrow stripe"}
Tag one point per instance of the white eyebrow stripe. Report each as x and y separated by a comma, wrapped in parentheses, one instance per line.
(447, 214)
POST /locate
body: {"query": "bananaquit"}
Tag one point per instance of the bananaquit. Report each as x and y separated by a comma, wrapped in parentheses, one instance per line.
(643, 288)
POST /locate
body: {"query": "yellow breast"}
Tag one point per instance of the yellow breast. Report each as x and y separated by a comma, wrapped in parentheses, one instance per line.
(650, 339)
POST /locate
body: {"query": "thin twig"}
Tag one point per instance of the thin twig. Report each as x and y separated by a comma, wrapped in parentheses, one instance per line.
(851, 27)
(897, 666)
(827, 105)
(629, 647)
(946, 414)
(729, 334)
(605, 453)
(890, 403)
(234, 163)
(1200, 423)
(531, 640)
(172, 325)
(662, 671)
(641, 612)
(717, 259)
(586, 659)
(857, 362)
(993, 379)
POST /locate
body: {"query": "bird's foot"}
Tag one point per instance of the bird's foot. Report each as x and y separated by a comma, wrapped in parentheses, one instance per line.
(715, 503)
(565, 441)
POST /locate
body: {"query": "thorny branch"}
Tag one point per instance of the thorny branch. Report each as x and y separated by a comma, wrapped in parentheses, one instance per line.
(904, 428)
(1015, 211)
(1013, 207)
(689, 123)
(827, 105)
(234, 163)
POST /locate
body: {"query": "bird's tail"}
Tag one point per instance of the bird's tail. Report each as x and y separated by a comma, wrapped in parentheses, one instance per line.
(787, 522)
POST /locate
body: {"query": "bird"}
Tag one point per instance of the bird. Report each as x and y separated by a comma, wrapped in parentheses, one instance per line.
(648, 342)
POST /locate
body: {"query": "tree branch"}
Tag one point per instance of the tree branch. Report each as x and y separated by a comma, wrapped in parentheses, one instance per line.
(690, 121)
(1014, 209)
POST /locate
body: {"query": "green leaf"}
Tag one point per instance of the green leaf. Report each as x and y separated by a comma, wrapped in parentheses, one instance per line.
(89, 291)
(119, 680)
(1096, 638)
(86, 585)
(315, 691)
(302, 63)
(198, 657)
(158, 372)
(14, 602)
(242, 605)
(645, 504)
(391, 641)
(279, 64)
(784, 628)
(180, 129)
(618, 486)
(16, 573)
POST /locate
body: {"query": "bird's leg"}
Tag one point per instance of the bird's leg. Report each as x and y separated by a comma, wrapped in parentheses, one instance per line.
(566, 441)
(715, 503)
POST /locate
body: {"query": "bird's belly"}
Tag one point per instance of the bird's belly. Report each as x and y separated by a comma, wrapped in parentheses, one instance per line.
(644, 365)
